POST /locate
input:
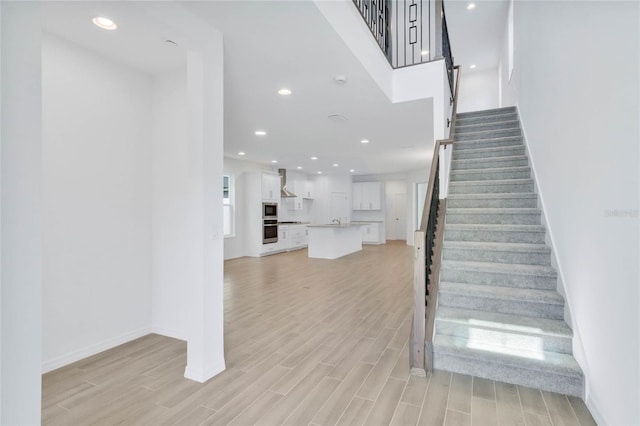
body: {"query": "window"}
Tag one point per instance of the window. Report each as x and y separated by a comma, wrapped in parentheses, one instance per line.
(228, 198)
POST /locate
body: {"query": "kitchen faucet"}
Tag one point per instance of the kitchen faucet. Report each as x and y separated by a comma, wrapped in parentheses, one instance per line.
(336, 221)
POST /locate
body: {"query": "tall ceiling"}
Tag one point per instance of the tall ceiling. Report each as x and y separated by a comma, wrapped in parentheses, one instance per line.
(270, 45)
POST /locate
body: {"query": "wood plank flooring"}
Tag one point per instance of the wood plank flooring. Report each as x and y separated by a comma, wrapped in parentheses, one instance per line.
(307, 342)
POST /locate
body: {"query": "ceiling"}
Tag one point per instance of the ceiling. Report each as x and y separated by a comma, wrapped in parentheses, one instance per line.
(274, 44)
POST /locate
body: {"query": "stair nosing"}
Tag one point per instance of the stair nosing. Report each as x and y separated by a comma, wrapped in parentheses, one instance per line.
(496, 210)
(492, 182)
(489, 159)
(497, 226)
(496, 195)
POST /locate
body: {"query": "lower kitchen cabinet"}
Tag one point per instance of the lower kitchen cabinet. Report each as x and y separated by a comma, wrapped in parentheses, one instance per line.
(292, 237)
(372, 232)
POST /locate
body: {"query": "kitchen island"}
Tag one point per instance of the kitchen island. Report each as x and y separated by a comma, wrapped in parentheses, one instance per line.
(332, 241)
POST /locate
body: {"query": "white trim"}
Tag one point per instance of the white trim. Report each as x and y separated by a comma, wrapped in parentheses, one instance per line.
(79, 354)
(206, 374)
(168, 332)
(577, 347)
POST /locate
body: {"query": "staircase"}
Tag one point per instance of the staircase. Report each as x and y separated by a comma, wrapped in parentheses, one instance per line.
(499, 315)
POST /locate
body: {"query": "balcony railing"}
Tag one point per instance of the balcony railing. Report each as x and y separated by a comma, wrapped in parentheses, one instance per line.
(409, 32)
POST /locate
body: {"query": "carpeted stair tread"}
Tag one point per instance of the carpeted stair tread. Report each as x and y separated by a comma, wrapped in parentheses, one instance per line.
(487, 153)
(512, 247)
(502, 141)
(504, 322)
(500, 268)
(486, 112)
(562, 364)
(495, 227)
(495, 210)
(502, 293)
(462, 127)
(503, 116)
(503, 195)
(491, 170)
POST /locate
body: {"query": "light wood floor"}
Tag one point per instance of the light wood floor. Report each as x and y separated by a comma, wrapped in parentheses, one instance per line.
(308, 342)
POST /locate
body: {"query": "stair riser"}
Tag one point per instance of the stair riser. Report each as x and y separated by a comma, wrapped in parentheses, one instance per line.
(489, 143)
(486, 113)
(461, 188)
(525, 377)
(525, 308)
(467, 154)
(523, 258)
(502, 133)
(462, 128)
(521, 341)
(489, 174)
(461, 203)
(466, 121)
(484, 163)
(514, 280)
(494, 219)
(494, 236)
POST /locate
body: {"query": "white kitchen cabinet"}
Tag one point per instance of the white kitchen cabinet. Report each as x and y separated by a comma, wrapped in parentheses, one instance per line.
(307, 190)
(270, 186)
(298, 237)
(367, 196)
(295, 203)
(372, 232)
(283, 237)
(292, 237)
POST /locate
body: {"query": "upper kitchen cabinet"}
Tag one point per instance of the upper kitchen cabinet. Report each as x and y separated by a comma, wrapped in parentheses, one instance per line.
(307, 190)
(270, 186)
(294, 203)
(367, 196)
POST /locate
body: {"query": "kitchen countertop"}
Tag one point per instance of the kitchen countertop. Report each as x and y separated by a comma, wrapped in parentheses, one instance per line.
(367, 221)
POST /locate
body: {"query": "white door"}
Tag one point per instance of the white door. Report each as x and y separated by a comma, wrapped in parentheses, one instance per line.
(399, 216)
(339, 206)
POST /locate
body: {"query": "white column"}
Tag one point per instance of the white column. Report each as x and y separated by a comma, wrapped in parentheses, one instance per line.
(21, 214)
(205, 344)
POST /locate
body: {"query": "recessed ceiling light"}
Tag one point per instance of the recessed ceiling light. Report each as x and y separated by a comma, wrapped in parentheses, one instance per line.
(274, 161)
(314, 158)
(471, 6)
(241, 153)
(352, 170)
(335, 164)
(299, 167)
(364, 141)
(104, 23)
(319, 173)
(424, 52)
(472, 66)
(284, 92)
(260, 133)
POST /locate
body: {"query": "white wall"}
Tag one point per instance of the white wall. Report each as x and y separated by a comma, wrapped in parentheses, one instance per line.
(478, 90)
(169, 204)
(96, 167)
(413, 179)
(21, 238)
(576, 86)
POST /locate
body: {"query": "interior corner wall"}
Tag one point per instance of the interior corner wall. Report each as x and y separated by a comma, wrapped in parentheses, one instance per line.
(169, 175)
(234, 246)
(21, 195)
(478, 90)
(580, 111)
(97, 233)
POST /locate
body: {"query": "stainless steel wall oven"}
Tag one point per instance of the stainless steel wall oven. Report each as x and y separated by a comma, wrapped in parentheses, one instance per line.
(269, 231)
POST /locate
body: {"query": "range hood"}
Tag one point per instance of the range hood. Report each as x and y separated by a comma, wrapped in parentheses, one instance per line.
(283, 185)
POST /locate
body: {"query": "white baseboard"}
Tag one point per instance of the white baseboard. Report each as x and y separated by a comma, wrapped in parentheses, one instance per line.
(202, 376)
(168, 332)
(79, 354)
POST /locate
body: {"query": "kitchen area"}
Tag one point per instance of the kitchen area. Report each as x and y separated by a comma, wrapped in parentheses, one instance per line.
(289, 210)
